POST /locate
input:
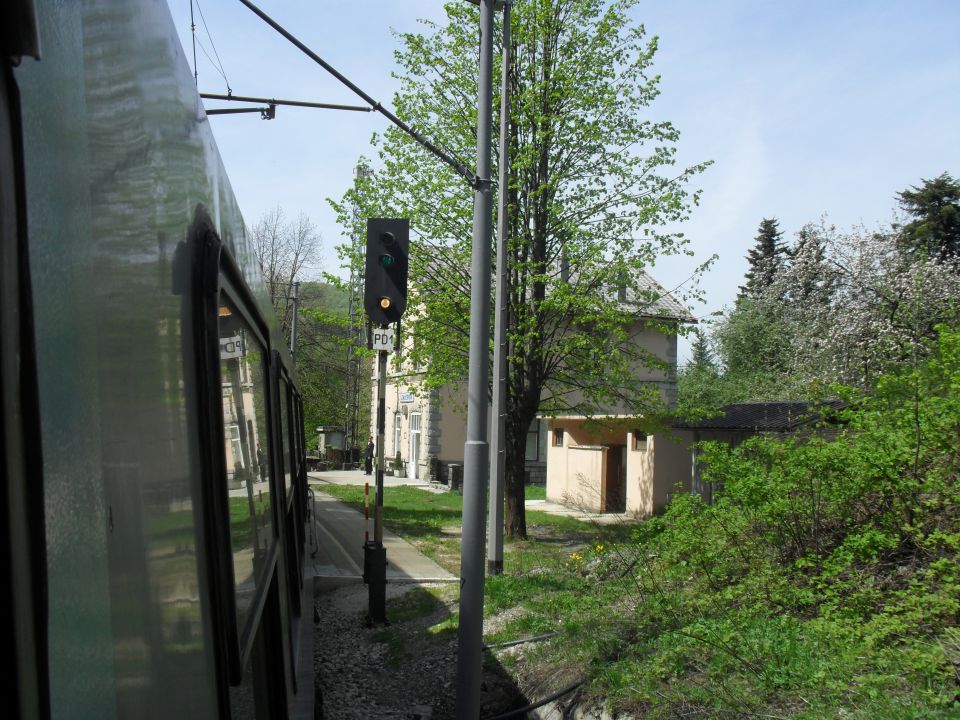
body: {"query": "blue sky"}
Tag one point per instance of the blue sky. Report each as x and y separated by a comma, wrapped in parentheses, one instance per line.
(806, 107)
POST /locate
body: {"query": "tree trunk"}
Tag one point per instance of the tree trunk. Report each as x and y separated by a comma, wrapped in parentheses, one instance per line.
(514, 476)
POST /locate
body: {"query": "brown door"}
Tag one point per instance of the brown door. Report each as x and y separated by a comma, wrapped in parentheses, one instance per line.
(615, 480)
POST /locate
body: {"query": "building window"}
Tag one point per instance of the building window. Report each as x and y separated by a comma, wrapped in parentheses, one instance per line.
(532, 452)
(396, 433)
(558, 437)
(639, 440)
(236, 454)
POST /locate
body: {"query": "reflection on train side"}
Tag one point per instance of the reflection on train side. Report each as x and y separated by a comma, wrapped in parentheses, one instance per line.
(244, 376)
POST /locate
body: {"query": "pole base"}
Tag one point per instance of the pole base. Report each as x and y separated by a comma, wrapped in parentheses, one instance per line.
(494, 567)
(375, 576)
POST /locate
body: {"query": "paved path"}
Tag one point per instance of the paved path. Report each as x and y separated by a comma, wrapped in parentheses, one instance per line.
(357, 477)
(339, 549)
(578, 514)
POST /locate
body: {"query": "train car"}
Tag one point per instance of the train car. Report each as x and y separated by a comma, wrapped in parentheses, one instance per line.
(153, 448)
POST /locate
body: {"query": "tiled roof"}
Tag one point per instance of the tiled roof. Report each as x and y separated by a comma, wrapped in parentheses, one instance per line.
(647, 299)
(652, 300)
(765, 416)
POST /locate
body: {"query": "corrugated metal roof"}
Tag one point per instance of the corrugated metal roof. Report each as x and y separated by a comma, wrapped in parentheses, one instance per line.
(766, 416)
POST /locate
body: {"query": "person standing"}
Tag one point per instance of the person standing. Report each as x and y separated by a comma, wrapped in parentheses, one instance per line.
(368, 464)
(261, 465)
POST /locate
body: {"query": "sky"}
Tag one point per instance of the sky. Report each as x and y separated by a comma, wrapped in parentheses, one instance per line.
(807, 108)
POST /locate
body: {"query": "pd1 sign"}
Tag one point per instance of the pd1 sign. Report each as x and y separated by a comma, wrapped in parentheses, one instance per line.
(383, 339)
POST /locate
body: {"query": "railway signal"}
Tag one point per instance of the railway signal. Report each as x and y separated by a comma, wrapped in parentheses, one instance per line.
(385, 287)
(385, 299)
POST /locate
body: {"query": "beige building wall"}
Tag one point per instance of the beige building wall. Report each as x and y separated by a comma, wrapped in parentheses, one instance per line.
(656, 466)
(441, 415)
(661, 346)
(641, 477)
(450, 419)
(422, 425)
(576, 465)
(657, 472)
(583, 464)
(402, 402)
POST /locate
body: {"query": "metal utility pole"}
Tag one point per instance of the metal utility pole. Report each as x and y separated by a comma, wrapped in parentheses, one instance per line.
(498, 455)
(476, 459)
(374, 553)
(293, 324)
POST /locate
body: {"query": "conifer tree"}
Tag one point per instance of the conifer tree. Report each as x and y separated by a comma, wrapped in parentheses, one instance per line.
(766, 259)
(702, 357)
(934, 231)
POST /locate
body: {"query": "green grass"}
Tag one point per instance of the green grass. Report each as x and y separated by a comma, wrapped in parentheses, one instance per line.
(667, 621)
(407, 510)
(535, 492)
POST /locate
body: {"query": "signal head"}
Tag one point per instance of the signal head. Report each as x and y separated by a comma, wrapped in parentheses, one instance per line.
(385, 278)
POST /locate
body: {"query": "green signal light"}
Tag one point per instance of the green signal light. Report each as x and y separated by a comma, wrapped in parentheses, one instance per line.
(387, 260)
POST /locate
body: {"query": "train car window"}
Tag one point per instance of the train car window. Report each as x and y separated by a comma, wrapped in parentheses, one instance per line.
(300, 480)
(294, 560)
(295, 435)
(243, 376)
(285, 437)
(261, 684)
(302, 447)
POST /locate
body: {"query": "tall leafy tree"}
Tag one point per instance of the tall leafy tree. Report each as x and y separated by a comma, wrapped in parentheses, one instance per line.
(326, 348)
(883, 307)
(934, 230)
(592, 188)
(808, 276)
(849, 307)
(766, 258)
(284, 249)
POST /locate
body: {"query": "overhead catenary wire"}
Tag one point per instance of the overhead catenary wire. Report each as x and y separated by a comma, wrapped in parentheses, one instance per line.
(218, 63)
(193, 36)
(458, 166)
(212, 62)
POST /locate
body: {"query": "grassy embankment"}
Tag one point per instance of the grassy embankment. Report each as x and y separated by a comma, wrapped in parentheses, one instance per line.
(823, 583)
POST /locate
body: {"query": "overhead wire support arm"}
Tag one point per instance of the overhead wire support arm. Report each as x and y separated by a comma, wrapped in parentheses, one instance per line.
(293, 103)
(459, 167)
(237, 111)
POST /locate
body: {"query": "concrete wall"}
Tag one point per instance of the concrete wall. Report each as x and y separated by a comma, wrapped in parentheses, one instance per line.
(640, 476)
(574, 470)
(672, 464)
(656, 468)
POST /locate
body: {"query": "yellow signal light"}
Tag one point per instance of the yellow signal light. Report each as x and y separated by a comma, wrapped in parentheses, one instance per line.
(385, 303)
